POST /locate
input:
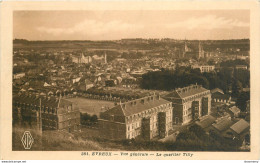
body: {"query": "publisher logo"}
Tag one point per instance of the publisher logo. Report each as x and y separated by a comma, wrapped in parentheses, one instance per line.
(27, 140)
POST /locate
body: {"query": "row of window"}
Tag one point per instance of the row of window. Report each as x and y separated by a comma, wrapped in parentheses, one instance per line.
(148, 112)
(195, 97)
(65, 117)
(187, 118)
(68, 108)
(133, 134)
(37, 108)
(133, 126)
(186, 112)
(69, 123)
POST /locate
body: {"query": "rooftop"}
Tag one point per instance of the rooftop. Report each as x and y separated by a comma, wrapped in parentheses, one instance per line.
(137, 106)
(187, 91)
(206, 121)
(219, 95)
(223, 124)
(47, 101)
(217, 90)
(234, 109)
(240, 126)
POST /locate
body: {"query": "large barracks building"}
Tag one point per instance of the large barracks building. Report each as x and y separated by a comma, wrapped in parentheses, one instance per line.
(147, 117)
(189, 103)
(46, 113)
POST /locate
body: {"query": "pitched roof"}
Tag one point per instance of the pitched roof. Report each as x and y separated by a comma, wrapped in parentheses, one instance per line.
(223, 124)
(51, 102)
(219, 95)
(217, 90)
(186, 91)
(240, 126)
(234, 109)
(136, 106)
(206, 121)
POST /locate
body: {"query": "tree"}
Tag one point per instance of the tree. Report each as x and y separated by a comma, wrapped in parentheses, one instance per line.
(242, 99)
(198, 131)
(236, 88)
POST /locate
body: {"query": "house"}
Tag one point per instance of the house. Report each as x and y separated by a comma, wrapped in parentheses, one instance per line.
(241, 67)
(219, 96)
(206, 122)
(234, 111)
(19, 75)
(238, 131)
(222, 124)
(85, 85)
(204, 68)
(216, 90)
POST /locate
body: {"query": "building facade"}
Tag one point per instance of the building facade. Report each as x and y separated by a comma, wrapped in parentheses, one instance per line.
(189, 103)
(146, 118)
(204, 68)
(46, 113)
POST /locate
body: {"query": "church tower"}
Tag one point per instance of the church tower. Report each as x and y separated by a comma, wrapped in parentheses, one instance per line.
(105, 58)
(185, 50)
(201, 51)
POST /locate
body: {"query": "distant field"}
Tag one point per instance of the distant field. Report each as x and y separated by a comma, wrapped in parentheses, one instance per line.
(91, 106)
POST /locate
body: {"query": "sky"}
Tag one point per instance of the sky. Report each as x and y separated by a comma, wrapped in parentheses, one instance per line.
(116, 24)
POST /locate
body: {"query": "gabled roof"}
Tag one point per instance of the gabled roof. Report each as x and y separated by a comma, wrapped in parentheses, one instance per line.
(173, 94)
(219, 95)
(234, 109)
(186, 91)
(223, 124)
(51, 102)
(217, 90)
(240, 126)
(206, 121)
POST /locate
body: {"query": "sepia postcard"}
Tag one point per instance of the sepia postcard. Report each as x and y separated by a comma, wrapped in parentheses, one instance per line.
(128, 80)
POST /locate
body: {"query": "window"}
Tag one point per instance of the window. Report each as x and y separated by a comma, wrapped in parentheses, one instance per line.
(68, 108)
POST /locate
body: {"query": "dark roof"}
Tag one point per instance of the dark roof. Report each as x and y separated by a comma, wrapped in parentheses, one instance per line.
(219, 95)
(186, 91)
(240, 126)
(234, 109)
(136, 106)
(49, 101)
(217, 90)
(206, 121)
(223, 124)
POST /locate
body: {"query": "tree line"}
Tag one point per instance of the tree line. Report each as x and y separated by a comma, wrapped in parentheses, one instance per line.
(228, 79)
